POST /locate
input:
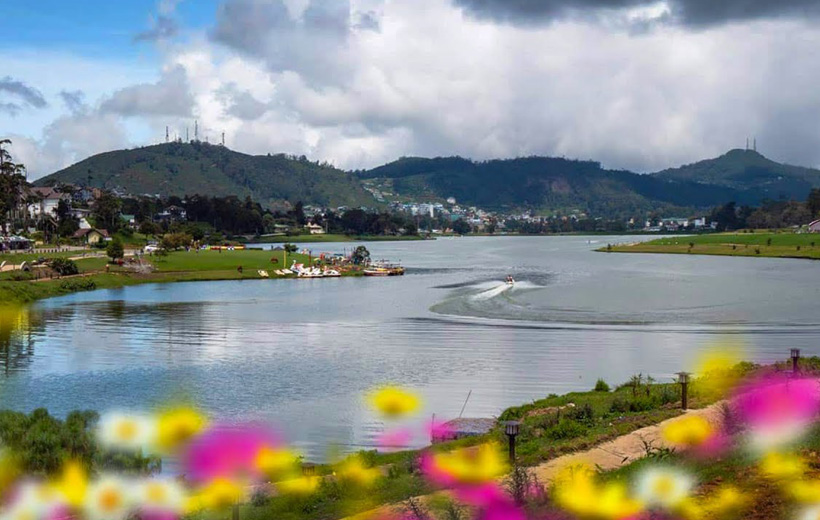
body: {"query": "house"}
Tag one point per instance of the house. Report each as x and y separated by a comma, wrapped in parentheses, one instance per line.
(315, 229)
(814, 227)
(15, 243)
(91, 236)
(49, 199)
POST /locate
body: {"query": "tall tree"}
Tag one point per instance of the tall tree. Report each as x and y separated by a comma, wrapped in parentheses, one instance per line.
(12, 184)
(106, 211)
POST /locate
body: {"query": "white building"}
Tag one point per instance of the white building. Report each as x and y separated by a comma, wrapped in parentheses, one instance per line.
(49, 199)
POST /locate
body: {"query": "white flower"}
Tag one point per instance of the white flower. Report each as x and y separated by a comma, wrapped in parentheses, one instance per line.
(130, 432)
(33, 501)
(663, 487)
(110, 498)
(164, 495)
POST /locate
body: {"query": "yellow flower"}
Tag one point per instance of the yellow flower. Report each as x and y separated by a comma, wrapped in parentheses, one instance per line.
(109, 499)
(299, 486)
(715, 368)
(782, 466)
(691, 430)
(73, 484)
(472, 465)
(9, 470)
(218, 494)
(177, 426)
(576, 490)
(276, 463)
(353, 470)
(393, 401)
(805, 491)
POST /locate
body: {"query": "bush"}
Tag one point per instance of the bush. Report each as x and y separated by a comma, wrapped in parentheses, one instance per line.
(174, 241)
(77, 285)
(115, 250)
(601, 386)
(641, 404)
(582, 414)
(63, 266)
(619, 405)
(566, 429)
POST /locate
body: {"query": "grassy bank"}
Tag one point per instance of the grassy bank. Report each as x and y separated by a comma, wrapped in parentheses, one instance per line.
(769, 245)
(180, 266)
(301, 239)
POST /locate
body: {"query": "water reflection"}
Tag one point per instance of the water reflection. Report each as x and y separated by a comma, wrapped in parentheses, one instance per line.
(17, 324)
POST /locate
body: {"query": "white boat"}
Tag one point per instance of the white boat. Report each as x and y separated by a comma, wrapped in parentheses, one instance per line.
(263, 273)
(331, 273)
(509, 280)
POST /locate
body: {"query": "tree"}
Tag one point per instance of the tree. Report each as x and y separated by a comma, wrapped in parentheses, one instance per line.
(67, 223)
(813, 202)
(461, 227)
(115, 249)
(106, 211)
(360, 256)
(12, 184)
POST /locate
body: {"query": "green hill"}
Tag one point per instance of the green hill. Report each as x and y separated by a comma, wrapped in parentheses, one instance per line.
(186, 169)
(547, 184)
(749, 170)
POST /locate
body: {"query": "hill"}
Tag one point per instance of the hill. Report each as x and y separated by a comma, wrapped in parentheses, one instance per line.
(548, 184)
(749, 170)
(189, 168)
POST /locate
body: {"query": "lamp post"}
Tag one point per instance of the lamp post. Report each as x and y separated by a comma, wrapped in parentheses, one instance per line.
(795, 360)
(683, 379)
(512, 429)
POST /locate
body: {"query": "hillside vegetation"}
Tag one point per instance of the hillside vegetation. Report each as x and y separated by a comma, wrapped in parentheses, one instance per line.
(186, 169)
(749, 170)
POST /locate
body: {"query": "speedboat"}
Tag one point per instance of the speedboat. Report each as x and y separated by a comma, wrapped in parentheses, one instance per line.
(509, 280)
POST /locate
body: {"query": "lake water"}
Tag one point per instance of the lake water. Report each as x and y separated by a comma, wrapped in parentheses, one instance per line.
(300, 354)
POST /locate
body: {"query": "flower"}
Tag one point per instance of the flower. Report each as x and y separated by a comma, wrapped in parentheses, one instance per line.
(805, 491)
(663, 487)
(299, 486)
(354, 470)
(131, 432)
(33, 501)
(276, 462)
(810, 513)
(715, 367)
(691, 430)
(177, 426)
(226, 452)
(217, 494)
(466, 466)
(161, 495)
(782, 466)
(109, 499)
(393, 402)
(73, 484)
(577, 492)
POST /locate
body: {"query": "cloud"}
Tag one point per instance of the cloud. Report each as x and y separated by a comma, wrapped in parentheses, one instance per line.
(74, 101)
(693, 13)
(170, 96)
(27, 96)
(162, 28)
(241, 103)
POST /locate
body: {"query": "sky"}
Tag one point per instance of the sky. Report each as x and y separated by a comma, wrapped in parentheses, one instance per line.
(635, 84)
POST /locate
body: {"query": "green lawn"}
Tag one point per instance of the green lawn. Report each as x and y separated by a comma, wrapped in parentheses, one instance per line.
(330, 238)
(772, 245)
(249, 259)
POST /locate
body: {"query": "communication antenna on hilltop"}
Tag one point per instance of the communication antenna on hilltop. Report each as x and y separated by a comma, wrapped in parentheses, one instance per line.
(223, 138)
(166, 134)
(747, 144)
(755, 148)
(187, 140)
(196, 130)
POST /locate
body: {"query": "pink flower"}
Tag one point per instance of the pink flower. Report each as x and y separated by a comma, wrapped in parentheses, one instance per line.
(227, 452)
(395, 439)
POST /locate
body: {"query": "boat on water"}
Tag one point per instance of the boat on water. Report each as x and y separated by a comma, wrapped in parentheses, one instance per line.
(383, 269)
(509, 280)
(331, 273)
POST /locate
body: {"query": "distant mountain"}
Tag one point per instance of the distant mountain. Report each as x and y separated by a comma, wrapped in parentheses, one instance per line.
(548, 183)
(749, 170)
(186, 169)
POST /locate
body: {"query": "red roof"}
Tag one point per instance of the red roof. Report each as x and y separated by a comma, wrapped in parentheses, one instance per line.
(80, 233)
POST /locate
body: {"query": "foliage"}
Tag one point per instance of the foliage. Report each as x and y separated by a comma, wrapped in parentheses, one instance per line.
(70, 286)
(290, 248)
(360, 255)
(106, 212)
(175, 241)
(115, 249)
(601, 386)
(12, 183)
(461, 227)
(64, 266)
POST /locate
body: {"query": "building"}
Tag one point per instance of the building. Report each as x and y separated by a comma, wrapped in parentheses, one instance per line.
(91, 236)
(49, 199)
(814, 227)
(315, 229)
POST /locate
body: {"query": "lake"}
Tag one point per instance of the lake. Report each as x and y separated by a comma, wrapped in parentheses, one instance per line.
(299, 354)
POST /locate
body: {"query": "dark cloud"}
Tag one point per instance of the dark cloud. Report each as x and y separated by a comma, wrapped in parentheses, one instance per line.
(368, 21)
(241, 103)
(73, 100)
(25, 95)
(245, 25)
(162, 28)
(694, 13)
(170, 96)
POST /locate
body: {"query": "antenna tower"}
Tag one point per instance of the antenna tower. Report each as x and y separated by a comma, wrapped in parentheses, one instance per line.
(223, 138)
(166, 134)
(187, 140)
(196, 130)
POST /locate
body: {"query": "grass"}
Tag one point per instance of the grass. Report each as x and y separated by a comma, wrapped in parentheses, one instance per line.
(755, 244)
(180, 266)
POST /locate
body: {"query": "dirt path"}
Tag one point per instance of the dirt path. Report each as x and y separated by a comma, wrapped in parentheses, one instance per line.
(608, 456)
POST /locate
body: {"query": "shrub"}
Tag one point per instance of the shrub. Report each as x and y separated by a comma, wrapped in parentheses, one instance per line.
(566, 429)
(582, 414)
(64, 266)
(641, 404)
(86, 284)
(619, 405)
(601, 386)
(115, 249)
